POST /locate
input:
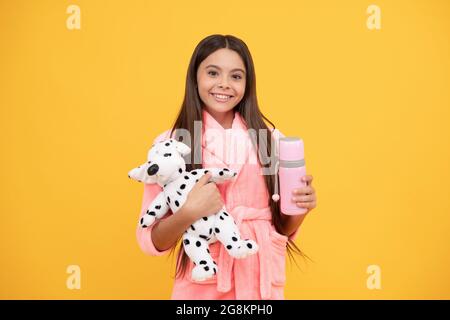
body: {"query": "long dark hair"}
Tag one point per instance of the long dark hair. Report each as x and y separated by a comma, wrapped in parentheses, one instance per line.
(191, 110)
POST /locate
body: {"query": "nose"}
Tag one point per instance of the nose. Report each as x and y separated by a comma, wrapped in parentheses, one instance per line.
(223, 83)
(152, 169)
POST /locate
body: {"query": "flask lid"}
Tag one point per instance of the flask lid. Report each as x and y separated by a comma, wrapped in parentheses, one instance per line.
(291, 149)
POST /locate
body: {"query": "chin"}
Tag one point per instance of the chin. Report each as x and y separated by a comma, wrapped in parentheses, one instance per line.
(221, 108)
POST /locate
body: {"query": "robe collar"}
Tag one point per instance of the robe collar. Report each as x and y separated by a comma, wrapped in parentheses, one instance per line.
(225, 147)
(209, 122)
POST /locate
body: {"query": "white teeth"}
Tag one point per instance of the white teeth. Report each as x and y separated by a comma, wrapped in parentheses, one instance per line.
(221, 96)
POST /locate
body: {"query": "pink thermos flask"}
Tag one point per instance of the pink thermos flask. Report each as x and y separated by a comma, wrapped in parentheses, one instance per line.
(291, 170)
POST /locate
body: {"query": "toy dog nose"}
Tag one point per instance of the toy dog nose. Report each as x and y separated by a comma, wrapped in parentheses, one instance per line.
(152, 169)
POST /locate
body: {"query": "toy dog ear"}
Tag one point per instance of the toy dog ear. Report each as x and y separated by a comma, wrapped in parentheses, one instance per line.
(182, 148)
(140, 174)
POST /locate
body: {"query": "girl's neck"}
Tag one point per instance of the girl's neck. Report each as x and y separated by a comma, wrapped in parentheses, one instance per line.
(225, 119)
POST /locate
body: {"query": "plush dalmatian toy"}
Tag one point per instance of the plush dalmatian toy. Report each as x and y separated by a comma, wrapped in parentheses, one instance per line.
(167, 168)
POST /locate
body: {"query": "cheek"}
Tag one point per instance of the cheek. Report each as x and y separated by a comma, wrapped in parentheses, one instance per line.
(240, 89)
(204, 88)
(205, 83)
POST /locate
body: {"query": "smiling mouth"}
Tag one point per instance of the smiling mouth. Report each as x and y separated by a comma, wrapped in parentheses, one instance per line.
(221, 97)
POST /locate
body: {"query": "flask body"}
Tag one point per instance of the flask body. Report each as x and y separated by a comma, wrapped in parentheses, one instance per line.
(290, 179)
(291, 170)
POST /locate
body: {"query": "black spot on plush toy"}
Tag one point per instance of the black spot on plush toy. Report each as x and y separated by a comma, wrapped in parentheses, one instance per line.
(166, 167)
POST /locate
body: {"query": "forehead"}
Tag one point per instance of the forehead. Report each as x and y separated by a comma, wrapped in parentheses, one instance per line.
(224, 58)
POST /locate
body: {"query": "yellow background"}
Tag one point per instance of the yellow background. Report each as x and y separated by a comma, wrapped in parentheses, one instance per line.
(79, 108)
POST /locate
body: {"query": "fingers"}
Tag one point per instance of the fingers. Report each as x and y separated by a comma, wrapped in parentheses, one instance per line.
(305, 197)
(308, 205)
(308, 179)
(304, 191)
(203, 180)
(308, 198)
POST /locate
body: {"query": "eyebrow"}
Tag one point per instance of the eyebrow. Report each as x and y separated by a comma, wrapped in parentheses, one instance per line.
(213, 65)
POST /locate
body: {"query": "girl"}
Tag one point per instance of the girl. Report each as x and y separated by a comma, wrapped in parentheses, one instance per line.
(221, 94)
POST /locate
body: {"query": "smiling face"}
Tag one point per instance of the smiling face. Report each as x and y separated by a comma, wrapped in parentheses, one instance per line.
(221, 81)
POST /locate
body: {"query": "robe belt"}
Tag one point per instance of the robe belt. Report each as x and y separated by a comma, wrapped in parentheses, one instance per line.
(259, 218)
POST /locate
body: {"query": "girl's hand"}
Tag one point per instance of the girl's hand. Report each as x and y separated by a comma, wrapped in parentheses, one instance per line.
(203, 200)
(305, 197)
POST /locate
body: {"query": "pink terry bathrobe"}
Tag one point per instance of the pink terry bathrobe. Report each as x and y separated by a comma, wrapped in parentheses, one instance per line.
(260, 276)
